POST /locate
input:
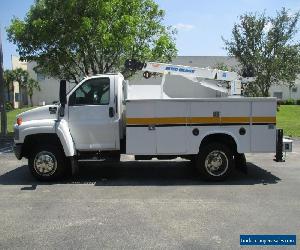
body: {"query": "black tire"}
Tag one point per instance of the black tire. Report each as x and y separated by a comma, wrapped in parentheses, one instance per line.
(208, 159)
(52, 155)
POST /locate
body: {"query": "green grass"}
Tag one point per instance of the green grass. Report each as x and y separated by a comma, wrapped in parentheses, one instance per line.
(288, 118)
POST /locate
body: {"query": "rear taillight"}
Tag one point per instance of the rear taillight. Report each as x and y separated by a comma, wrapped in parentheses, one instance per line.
(19, 121)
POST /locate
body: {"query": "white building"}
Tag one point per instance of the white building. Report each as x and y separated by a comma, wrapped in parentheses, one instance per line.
(174, 86)
(49, 86)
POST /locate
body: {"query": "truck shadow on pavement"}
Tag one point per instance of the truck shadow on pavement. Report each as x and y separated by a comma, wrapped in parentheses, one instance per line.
(133, 173)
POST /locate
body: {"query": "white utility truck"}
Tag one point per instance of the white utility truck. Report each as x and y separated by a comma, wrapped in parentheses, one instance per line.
(95, 122)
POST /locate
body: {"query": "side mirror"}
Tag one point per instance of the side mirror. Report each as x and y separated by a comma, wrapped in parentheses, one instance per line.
(63, 92)
(62, 96)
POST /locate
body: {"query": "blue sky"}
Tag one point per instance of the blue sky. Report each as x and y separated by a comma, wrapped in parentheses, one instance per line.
(200, 24)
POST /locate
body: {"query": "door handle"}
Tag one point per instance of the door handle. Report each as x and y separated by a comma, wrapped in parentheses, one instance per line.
(52, 110)
(111, 112)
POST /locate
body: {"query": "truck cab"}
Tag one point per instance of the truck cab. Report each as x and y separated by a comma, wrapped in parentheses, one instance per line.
(88, 122)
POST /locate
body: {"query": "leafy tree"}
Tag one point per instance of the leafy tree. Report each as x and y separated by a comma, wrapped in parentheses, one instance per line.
(222, 66)
(9, 79)
(265, 48)
(32, 85)
(74, 38)
(225, 67)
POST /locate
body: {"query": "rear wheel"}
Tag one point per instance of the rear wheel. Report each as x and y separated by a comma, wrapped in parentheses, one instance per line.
(47, 163)
(215, 162)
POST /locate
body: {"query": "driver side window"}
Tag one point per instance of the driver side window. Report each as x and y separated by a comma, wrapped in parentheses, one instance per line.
(94, 91)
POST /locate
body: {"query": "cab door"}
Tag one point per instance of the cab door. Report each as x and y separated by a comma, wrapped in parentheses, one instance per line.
(92, 115)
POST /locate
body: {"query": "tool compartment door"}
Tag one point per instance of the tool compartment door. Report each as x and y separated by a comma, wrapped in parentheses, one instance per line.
(171, 127)
(263, 129)
(140, 133)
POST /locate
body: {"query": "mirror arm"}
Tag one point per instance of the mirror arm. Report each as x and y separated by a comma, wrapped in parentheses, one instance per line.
(62, 97)
(62, 110)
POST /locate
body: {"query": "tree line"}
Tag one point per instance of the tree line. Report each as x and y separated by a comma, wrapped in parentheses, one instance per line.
(75, 38)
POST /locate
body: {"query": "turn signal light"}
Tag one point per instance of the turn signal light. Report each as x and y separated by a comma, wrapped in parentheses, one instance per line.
(19, 121)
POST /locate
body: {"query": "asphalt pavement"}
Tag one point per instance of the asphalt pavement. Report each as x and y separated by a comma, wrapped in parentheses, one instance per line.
(147, 205)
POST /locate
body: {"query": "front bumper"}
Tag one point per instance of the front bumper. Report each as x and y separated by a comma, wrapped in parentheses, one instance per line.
(18, 150)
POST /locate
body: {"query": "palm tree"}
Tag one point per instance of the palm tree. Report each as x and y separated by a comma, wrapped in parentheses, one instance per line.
(21, 76)
(30, 86)
(9, 79)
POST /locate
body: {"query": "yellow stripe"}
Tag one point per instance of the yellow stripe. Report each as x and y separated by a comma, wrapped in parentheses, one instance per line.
(263, 119)
(205, 120)
(235, 119)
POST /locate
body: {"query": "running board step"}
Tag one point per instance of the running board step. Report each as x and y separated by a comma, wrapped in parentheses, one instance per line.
(91, 160)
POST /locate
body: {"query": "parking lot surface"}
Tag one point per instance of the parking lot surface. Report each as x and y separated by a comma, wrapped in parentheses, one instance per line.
(147, 204)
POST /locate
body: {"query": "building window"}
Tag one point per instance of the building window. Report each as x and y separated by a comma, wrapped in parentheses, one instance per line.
(294, 89)
(40, 76)
(278, 95)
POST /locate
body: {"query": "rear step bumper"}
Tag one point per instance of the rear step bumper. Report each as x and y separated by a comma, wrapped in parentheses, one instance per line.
(282, 145)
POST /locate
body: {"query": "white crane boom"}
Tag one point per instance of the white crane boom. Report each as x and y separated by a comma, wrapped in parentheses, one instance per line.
(190, 72)
(198, 75)
(207, 77)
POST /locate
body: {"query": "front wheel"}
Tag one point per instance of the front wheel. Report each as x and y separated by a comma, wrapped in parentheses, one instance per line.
(215, 162)
(47, 163)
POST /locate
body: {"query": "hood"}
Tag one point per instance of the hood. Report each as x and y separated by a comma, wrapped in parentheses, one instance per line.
(40, 113)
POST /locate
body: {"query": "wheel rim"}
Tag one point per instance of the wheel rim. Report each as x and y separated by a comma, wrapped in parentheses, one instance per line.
(45, 163)
(216, 163)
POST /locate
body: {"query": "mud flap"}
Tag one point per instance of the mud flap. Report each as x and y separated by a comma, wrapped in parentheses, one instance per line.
(74, 166)
(241, 163)
(279, 146)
